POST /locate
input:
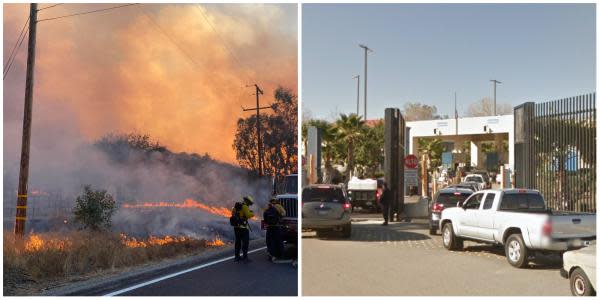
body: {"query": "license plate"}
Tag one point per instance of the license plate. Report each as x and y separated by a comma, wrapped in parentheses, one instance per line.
(435, 217)
(323, 212)
(369, 203)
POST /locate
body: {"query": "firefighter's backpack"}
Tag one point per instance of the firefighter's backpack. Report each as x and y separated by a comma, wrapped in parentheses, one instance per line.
(235, 219)
(272, 216)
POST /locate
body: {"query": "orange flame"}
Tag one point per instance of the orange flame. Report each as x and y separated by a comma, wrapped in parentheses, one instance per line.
(187, 203)
(217, 242)
(132, 242)
(36, 243)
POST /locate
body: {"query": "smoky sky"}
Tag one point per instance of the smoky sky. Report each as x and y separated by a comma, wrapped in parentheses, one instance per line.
(154, 69)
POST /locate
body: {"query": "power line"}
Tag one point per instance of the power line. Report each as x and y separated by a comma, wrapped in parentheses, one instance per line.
(171, 39)
(51, 6)
(87, 12)
(12, 52)
(12, 59)
(225, 45)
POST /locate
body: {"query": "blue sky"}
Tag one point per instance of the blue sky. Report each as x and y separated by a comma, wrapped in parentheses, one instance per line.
(426, 52)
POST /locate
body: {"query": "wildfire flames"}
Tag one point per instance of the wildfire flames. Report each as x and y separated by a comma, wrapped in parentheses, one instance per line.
(217, 242)
(36, 243)
(188, 203)
(132, 242)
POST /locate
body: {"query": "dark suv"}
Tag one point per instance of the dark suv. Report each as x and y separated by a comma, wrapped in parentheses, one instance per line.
(447, 197)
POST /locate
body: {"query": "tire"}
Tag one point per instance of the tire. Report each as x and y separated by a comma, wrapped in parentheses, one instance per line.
(516, 252)
(432, 230)
(347, 231)
(580, 284)
(451, 241)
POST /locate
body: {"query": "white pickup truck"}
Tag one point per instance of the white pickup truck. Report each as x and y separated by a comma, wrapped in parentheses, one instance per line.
(519, 220)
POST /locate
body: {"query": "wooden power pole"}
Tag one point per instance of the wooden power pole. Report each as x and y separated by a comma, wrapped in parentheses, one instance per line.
(21, 213)
(258, 136)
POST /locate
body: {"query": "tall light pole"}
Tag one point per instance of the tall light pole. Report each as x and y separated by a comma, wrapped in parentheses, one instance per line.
(357, 77)
(367, 50)
(495, 82)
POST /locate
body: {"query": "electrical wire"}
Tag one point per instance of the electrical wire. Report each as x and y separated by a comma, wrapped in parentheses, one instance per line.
(15, 50)
(51, 6)
(87, 12)
(171, 39)
(225, 45)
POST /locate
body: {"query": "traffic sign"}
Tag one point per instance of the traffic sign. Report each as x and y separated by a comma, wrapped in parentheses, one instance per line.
(411, 161)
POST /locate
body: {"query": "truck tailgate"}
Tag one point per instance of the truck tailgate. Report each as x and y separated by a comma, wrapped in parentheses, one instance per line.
(573, 225)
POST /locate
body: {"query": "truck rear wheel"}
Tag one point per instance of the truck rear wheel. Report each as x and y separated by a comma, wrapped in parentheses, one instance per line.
(516, 251)
(451, 241)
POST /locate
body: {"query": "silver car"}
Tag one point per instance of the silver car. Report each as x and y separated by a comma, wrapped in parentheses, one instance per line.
(326, 207)
(579, 266)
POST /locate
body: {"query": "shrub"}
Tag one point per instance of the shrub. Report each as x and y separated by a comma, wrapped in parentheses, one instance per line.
(94, 209)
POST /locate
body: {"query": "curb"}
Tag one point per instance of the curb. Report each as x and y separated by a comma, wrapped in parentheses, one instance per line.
(104, 284)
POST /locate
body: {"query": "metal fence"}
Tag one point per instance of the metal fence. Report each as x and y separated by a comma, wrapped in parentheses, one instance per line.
(555, 151)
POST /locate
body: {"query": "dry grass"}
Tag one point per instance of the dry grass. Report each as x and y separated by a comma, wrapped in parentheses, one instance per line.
(41, 257)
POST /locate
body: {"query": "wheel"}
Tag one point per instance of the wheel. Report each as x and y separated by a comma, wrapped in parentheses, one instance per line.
(516, 251)
(432, 230)
(451, 242)
(347, 231)
(580, 284)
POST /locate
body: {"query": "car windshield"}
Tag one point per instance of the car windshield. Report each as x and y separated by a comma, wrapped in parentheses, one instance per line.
(523, 202)
(322, 194)
(474, 179)
(451, 198)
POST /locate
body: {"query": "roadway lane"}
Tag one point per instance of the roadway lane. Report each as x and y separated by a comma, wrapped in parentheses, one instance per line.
(228, 278)
(402, 259)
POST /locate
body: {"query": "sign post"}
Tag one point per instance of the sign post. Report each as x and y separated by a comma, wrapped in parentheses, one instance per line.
(411, 177)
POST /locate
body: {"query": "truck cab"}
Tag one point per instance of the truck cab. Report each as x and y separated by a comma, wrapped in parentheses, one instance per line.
(286, 191)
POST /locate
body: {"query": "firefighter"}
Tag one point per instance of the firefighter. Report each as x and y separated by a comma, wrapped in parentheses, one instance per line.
(240, 215)
(272, 217)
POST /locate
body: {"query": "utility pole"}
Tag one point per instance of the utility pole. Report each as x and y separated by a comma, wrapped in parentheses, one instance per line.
(357, 92)
(21, 211)
(258, 136)
(495, 82)
(367, 49)
(455, 115)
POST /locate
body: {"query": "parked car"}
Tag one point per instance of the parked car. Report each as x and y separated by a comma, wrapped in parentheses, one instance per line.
(326, 207)
(446, 197)
(477, 179)
(486, 177)
(473, 186)
(519, 220)
(579, 266)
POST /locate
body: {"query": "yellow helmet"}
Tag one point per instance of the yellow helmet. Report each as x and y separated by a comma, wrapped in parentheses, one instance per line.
(248, 199)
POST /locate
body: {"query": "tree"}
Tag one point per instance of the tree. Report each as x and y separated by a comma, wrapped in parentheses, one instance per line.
(279, 137)
(485, 107)
(94, 209)
(417, 112)
(433, 149)
(369, 152)
(349, 131)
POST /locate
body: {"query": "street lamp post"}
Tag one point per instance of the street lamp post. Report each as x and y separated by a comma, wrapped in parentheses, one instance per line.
(367, 49)
(357, 77)
(495, 82)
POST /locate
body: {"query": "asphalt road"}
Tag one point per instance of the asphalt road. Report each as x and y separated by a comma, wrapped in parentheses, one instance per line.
(402, 259)
(228, 278)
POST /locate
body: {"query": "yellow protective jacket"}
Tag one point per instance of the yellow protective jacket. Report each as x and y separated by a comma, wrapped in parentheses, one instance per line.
(245, 213)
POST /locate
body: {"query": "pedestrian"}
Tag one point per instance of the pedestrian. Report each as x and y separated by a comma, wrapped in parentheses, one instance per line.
(240, 214)
(274, 239)
(385, 202)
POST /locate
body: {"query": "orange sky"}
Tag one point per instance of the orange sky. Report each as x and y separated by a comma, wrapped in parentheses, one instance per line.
(116, 71)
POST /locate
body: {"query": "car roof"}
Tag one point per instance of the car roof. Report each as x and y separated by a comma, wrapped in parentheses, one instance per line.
(512, 191)
(323, 186)
(453, 190)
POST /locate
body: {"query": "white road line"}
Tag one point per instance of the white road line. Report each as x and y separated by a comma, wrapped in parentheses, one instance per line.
(137, 286)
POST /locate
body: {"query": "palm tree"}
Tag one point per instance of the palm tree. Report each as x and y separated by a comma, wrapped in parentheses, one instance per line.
(349, 130)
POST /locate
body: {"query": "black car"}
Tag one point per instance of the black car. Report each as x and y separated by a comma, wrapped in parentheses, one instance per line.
(446, 197)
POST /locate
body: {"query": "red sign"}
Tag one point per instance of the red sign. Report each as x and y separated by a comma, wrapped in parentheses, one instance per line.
(411, 161)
